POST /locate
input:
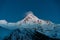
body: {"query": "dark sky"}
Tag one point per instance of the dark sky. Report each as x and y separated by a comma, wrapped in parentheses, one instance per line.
(14, 10)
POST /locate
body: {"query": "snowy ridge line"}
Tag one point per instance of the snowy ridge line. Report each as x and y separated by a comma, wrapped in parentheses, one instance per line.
(34, 23)
(29, 18)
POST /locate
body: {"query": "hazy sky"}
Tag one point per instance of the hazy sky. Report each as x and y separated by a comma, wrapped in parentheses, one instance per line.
(14, 10)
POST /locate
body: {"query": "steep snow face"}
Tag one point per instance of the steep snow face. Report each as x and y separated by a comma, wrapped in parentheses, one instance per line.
(31, 18)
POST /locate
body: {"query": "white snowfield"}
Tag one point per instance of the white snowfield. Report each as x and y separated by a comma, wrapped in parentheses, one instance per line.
(49, 28)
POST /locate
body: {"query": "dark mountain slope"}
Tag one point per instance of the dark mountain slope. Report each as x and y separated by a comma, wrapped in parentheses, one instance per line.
(27, 34)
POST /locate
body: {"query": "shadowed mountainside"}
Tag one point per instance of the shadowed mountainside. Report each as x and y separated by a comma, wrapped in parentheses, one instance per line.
(26, 35)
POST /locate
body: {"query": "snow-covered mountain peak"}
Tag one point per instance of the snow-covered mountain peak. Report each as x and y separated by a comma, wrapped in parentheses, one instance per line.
(30, 17)
(30, 14)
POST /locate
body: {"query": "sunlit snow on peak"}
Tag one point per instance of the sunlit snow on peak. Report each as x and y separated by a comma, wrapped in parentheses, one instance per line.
(30, 18)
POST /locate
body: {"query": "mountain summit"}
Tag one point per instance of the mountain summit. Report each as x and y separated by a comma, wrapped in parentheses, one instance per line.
(30, 17)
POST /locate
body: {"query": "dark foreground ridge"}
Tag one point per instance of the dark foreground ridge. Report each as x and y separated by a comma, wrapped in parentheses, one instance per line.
(39, 36)
(16, 35)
